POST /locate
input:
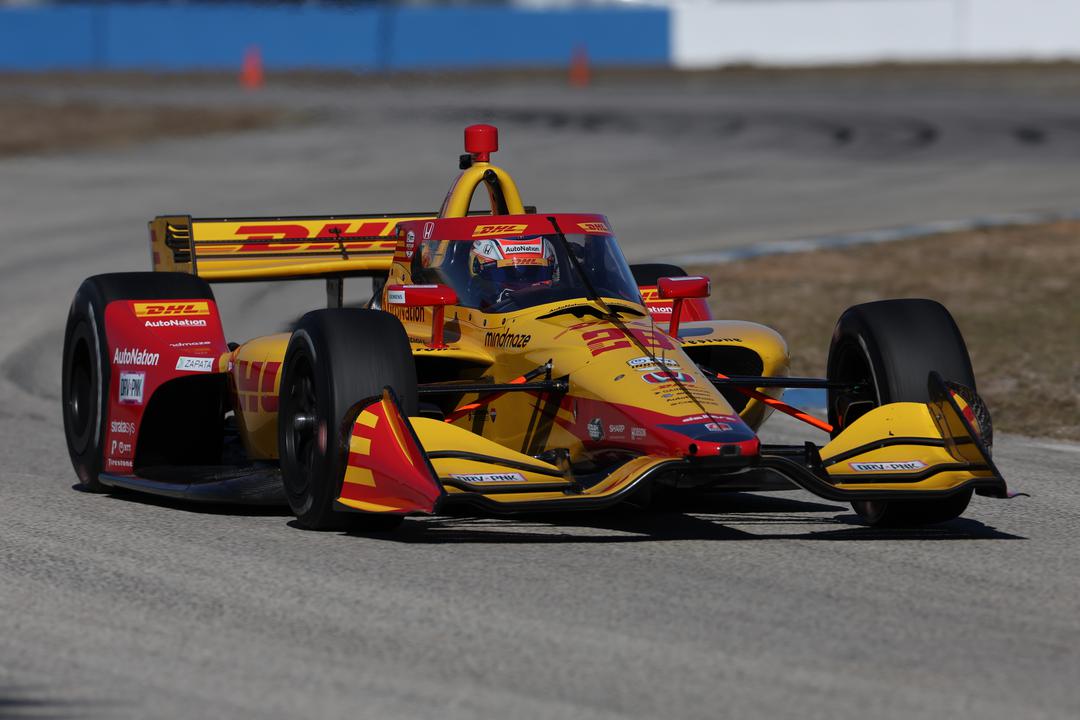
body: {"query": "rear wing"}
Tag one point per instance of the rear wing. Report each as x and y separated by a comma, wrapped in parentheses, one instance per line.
(245, 249)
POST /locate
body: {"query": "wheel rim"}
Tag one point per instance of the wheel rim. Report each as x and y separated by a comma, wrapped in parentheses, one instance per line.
(301, 425)
(852, 366)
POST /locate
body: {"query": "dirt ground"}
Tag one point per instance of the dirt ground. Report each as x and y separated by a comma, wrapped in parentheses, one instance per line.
(1013, 291)
(32, 126)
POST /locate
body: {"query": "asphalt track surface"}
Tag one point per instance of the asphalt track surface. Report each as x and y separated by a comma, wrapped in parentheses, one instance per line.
(751, 605)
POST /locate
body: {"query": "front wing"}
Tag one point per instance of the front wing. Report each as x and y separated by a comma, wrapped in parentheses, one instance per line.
(401, 465)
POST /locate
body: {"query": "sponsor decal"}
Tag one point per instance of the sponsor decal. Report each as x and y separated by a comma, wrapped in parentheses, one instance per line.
(659, 378)
(506, 339)
(660, 309)
(523, 248)
(337, 230)
(396, 297)
(175, 322)
(511, 477)
(647, 363)
(489, 230)
(429, 227)
(708, 341)
(256, 385)
(113, 463)
(195, 364)
(409, 314)
(596, 430)
(604, 340)
(163, 309)
(616, 429)
(197, 343)
(122, 427)
(119, 447)
(594, 227)
(717, 427)
(410, 244)
(637, 433)
(131, 388)
(903, 465)
(135, 356)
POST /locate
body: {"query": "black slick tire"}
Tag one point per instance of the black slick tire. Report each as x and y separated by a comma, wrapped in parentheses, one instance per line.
(86, 370)
(888, 349)
(336, 358)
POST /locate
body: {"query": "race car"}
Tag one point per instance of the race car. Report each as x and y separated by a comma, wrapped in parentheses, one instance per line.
(509, 360)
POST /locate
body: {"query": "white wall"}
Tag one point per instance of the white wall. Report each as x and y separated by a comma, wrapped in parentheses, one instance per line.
(805, 32)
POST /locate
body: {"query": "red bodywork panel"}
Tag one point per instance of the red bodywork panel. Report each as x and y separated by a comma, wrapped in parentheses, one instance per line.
(150, 343)
(387, 470)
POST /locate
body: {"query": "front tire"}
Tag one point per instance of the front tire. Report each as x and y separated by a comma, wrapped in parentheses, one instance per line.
(336, 358)
(87, 371)
(887, 350)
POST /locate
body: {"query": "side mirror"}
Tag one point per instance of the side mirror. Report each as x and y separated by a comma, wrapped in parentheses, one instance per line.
(433, 296)
(681, 289)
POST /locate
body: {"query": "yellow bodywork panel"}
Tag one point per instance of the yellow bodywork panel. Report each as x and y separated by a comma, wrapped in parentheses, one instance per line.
(223, 249)
(698, 337)
(256, 375)
(948, 459)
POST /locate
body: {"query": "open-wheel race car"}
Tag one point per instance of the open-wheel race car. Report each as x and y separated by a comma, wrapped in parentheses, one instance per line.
(509, 360)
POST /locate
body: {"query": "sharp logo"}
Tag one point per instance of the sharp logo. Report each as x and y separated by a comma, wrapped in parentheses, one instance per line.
(490, 230)
(157, 310)
(256, 385)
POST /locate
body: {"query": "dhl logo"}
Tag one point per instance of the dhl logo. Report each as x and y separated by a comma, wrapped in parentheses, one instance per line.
(291, 248)
(159, 309)
(256, 385)
(489, 230)
(594, 227)
(296, 231)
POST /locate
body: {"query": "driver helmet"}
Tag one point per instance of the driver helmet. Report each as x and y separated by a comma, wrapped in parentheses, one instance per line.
(513, 264)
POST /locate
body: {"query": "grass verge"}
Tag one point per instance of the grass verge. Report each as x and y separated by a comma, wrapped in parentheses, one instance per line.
(34, 127)
(1015, 293)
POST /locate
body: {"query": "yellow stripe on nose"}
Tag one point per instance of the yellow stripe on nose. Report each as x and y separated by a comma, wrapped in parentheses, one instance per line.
(368, 419)
(360, 445)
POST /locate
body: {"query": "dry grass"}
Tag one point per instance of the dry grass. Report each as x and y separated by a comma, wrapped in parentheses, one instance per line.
(35, 127)
(1015, 293)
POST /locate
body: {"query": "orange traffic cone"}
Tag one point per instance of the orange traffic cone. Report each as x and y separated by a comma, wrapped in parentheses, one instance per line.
(579, 67)
(251, 73)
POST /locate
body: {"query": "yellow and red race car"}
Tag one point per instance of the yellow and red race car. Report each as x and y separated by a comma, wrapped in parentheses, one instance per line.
(509, 360)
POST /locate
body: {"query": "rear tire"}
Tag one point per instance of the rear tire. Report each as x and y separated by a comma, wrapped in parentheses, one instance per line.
(888, 348)
(336, 358)
(86, 372)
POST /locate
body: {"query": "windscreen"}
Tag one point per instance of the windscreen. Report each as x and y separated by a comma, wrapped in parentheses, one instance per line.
(506, 274)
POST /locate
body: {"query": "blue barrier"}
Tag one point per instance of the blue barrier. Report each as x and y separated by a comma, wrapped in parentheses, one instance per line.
(380, 37)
